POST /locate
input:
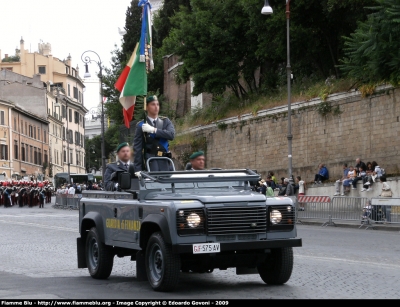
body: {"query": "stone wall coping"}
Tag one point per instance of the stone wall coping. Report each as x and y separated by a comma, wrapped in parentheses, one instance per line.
(281, 109)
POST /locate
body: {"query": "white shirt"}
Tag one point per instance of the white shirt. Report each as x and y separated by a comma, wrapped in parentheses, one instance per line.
(71, 190)
(301, 186)
(152, 122)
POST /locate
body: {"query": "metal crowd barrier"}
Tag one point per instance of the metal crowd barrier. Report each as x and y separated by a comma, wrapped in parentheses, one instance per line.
(383, 210)
(312, 207)
(347, 208)
(67, 201)
(389, 209)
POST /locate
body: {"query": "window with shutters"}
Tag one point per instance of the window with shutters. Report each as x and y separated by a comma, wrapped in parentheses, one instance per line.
(22, 126)
(44, 136)
(69, 90)
(15, 124)
(34, 133)
(76, 93)
(1, 117)
(63, 112)
(35, 156)
(76, 115)
(63, 133)
(38, 134)
(70, 115)
(40, 157)
(16, 149)
(31, 154)
(22, 152)
(65, 156)
(70, 158)
(4, 152)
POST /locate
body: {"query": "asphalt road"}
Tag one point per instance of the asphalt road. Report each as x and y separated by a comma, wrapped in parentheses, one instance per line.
(38, 261)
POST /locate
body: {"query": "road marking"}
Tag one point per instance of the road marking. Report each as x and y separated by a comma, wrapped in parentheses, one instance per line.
(330, 259)
(41, 226)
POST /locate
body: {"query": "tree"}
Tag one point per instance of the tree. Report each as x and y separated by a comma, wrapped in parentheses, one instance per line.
(213, 43)
(221, 42)
(372, 52)
(133, 26)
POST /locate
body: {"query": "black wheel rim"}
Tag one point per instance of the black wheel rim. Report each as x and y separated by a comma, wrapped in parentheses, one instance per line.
(93, 253)
(156, 263)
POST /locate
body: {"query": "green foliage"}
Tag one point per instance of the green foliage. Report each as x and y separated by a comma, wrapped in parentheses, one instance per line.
(222, 41)
(325, 108)
(133, 26)
(190, 144)
(222, 126)
(9, 59)
(372, 52)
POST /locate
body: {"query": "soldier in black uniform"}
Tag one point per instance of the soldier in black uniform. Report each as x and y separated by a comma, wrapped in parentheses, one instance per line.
(110, 175)
(151, 139)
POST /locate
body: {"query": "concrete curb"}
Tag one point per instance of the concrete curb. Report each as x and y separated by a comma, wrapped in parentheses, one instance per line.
(350, 224)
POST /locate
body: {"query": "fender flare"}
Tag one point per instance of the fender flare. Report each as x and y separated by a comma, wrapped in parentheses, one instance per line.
(96, 218)
(161, 222)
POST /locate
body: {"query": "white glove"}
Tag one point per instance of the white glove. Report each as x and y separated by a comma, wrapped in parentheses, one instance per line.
(116, 185)
(148, 128)
(137, 174)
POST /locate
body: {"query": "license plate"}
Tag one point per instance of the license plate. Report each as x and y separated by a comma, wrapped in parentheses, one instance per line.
(206, 248)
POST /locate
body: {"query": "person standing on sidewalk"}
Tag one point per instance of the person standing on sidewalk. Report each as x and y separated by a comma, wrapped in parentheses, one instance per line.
(386, 192)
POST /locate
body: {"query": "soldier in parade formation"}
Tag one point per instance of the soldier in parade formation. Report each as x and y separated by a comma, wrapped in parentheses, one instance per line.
(25, 193)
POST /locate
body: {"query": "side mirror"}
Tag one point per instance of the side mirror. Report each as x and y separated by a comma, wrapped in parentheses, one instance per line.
(124, 180)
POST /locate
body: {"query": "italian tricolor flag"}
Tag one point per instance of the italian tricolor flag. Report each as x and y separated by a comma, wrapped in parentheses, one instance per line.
(131, 83)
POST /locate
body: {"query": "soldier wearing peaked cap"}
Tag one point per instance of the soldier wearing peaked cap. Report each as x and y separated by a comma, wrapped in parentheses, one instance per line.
(151, 138)
(112, 169)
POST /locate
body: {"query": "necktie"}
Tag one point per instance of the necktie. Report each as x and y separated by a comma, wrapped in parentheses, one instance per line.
(126, 165)
(154, 123)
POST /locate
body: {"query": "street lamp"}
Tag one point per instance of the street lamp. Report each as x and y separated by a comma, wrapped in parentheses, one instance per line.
(58, 105)
(267, 10)
(88, 60)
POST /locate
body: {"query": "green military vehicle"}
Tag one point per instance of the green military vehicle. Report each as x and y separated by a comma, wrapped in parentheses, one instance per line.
(182, 221)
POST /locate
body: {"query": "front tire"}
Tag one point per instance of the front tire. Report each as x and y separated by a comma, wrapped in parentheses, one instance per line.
(278, 267)
(162, 266)
(99, 257)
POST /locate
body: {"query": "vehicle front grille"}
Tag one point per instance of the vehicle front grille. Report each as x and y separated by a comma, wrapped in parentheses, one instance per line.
(236, 220)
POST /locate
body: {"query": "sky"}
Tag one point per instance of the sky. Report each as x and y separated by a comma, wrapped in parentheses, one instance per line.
(70, 26)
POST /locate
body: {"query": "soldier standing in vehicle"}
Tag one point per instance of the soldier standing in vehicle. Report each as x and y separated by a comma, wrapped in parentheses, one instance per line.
(124, 156)
(151, 139)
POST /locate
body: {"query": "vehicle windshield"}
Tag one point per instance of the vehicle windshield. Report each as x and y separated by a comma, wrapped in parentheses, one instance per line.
(183, 180)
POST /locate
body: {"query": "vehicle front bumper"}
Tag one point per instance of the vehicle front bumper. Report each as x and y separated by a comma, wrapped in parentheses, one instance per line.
(240, 246)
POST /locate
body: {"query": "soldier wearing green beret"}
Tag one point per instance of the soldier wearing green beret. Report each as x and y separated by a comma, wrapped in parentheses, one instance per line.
(197, 161)
(152, 139)
(112, 169)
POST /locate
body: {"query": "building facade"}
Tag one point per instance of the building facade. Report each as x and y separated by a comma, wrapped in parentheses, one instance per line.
(29, 145)
(64, 107)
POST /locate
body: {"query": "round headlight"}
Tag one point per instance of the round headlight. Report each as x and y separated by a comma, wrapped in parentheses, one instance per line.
(193, 220)
(275, 216)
